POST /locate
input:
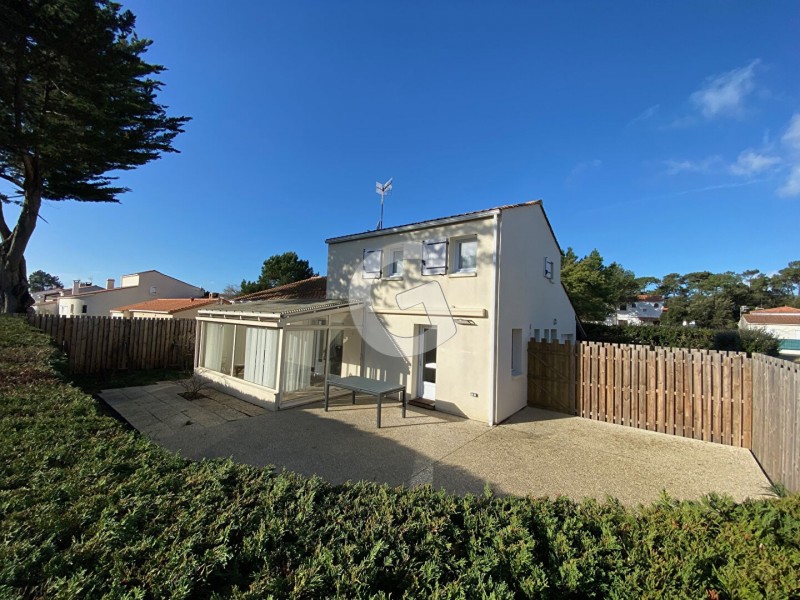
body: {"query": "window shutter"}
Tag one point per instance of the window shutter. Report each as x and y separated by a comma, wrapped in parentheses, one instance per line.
(372, 264)
(434, 257)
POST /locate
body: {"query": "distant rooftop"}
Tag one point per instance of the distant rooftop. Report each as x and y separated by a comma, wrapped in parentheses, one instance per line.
(169, 305)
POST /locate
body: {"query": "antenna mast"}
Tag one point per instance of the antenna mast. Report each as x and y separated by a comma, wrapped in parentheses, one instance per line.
(384, 189)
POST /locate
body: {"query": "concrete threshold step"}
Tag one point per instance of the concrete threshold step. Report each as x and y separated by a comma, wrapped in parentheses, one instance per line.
(423, 403)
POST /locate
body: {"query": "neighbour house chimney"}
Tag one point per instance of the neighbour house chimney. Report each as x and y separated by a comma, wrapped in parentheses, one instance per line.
(110, 283)
(76, 286)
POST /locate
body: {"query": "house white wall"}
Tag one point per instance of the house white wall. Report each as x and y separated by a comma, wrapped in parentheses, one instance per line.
(527, 299)
(780, 331)
(463, 378)
(507, 291)
(135, 288)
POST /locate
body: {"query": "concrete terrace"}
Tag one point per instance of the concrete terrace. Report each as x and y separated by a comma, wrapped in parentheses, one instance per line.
(536, 452)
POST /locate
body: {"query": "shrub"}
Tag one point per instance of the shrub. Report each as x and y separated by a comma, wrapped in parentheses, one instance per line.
(733, 340)
(759, 340)
(91, 509)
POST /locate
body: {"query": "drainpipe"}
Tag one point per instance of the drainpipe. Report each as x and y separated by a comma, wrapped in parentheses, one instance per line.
(493, 322)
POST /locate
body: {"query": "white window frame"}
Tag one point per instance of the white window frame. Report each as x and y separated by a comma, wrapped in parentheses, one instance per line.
(456, 258)
(391, 269)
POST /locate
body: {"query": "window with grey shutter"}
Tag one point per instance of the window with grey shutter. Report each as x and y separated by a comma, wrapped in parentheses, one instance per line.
(372, 264)
(434, 257)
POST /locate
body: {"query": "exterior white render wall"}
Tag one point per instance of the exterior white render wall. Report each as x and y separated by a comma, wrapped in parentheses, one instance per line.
(463, 377)
(782, 332)
(101, 303)
(527, 299)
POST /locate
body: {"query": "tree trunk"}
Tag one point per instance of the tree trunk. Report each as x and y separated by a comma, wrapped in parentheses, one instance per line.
(14, 296)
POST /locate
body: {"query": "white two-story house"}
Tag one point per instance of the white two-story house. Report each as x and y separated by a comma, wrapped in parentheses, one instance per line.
(444, 307)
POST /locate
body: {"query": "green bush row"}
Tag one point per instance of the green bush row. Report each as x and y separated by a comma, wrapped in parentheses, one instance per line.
(735, 340)
(91, 509)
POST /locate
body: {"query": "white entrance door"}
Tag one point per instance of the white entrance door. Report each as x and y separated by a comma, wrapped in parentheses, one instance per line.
(427, 363)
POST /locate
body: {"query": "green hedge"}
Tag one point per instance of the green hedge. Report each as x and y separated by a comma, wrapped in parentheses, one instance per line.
(684, 337)
(92, 509)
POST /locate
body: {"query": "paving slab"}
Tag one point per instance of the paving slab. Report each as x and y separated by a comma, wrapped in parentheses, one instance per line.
(536, 452)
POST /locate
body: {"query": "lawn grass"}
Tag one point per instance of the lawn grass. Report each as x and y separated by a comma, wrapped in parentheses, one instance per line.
(90, 509)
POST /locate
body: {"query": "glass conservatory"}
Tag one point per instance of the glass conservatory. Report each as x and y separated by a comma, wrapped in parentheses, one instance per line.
(278, 352)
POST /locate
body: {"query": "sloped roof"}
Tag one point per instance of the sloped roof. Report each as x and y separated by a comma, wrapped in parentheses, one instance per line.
(781, 310)
(313, 288)
(279, 308)
(169, 305)
(434, 222)
(772, 319)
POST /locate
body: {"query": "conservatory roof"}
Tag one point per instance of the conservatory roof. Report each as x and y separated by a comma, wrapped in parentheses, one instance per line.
(278, 309)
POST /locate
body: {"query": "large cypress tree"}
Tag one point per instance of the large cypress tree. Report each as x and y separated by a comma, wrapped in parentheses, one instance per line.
(77, 103)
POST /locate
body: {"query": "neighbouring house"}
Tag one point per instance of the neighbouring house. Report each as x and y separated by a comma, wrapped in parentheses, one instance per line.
(45, 302)
(646, 309)
(783, 322)
(166, 308)
(133, 288)
(444, 307)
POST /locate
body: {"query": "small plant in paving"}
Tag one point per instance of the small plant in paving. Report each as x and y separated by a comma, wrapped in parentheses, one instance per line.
(194, 387)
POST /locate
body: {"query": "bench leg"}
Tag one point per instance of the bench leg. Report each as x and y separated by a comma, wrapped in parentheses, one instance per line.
(326, 397)
(379, 410)
(354, 396)
(404, 403)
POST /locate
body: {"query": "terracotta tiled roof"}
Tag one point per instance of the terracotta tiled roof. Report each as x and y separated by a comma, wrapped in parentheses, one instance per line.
(170, 305)
(649, 298)
(781, 310)
(313, 288)
(773, 319)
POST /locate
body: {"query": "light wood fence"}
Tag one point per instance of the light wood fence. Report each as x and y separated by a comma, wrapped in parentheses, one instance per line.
(776, 419)
(723, 397)
(104, 344)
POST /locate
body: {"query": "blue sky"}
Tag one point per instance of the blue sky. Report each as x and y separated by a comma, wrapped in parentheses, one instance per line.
(661, 134)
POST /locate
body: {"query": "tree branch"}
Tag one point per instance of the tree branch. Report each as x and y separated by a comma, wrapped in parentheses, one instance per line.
(5, 232)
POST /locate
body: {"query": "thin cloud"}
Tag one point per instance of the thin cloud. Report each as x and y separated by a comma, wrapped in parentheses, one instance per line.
(792, 136)
(751, 163)
(791, 186)
(645, 115)
(724, 94)
(791, 139)
(674, 167)
(582, 168)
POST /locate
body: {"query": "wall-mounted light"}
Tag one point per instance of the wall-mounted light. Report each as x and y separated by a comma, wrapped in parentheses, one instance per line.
(555, 321)
(464, 321)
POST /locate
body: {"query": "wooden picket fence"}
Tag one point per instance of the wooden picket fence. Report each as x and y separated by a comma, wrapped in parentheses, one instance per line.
(723, 397)
(699, 394)
(104, 344)
(776, 419)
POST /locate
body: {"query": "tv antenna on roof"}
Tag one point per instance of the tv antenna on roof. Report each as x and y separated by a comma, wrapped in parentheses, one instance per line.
(384, 189)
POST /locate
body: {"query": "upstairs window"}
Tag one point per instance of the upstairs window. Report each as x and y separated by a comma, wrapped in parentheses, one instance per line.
(434, 257)
(396, 266)
(372, 264)
(467, 255)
